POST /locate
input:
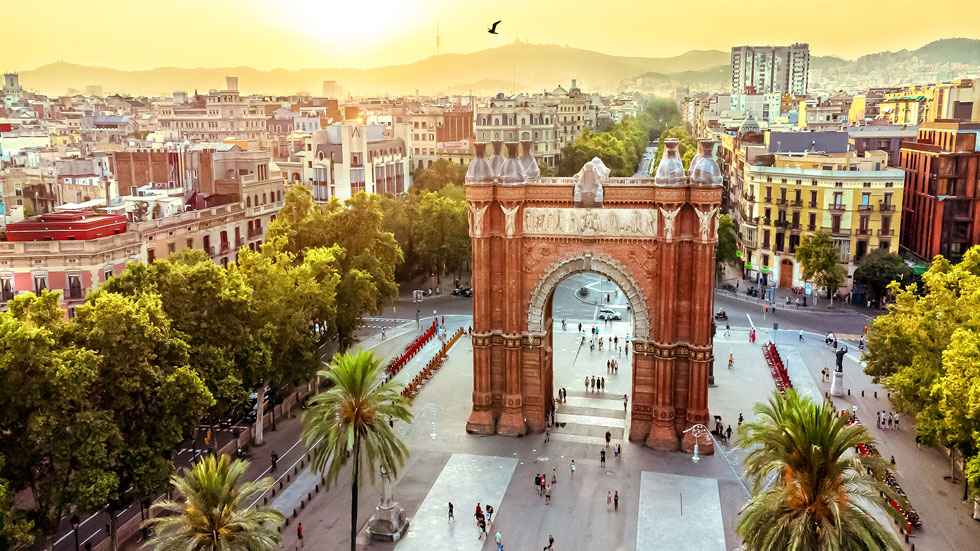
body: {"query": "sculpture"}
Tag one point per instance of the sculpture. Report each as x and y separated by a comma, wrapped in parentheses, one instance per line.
(840, 358)
(476, 218)
(510, 214)
(588, 185)
(704, 218)
(389, 522)
(669, 216)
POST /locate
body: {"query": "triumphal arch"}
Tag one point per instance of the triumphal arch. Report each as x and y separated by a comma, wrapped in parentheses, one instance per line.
(654, 237)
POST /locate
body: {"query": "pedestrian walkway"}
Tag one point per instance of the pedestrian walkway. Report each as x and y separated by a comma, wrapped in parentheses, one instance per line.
(465, 481)
(588, 415)
(679, 512)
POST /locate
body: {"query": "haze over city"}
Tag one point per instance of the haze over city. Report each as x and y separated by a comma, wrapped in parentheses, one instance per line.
(123, 34)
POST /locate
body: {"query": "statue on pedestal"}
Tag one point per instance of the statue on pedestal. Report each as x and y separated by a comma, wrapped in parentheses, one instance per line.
(388, 523)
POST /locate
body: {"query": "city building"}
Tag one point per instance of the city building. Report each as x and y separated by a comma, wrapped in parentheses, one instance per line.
(941, 211)
(217, 116)
(519, 118)
(884, 137)
(768, 69)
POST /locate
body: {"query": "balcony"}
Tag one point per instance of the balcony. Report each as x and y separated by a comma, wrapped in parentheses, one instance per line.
(886, 207)
(840, 232)
(255, 232)
(781, 202)
(768, 200)
(837, 206)
(74, 293)
(225, 247)
(797, 204)
(884, 232)
(210, 250)
(865, 208)
(6, 295)
(239, 242)
(795, 227)
(781, 223)
(813, 204)
(862, 231)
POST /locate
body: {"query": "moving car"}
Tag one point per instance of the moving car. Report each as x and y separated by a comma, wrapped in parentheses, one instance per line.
(463, 291)
(608, 314)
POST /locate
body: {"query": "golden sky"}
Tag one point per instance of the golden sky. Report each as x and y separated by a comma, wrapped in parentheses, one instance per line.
(292, 34)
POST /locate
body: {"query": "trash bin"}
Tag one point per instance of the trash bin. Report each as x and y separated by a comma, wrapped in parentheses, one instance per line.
(775, 326)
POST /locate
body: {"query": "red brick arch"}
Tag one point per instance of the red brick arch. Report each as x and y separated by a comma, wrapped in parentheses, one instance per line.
(529, 236)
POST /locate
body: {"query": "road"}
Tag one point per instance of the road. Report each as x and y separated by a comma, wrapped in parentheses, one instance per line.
(645, 169)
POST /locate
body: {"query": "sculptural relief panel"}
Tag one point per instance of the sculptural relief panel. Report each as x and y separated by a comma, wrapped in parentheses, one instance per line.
(586, 222)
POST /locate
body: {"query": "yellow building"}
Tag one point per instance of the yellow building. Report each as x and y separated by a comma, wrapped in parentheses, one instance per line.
(856, 199)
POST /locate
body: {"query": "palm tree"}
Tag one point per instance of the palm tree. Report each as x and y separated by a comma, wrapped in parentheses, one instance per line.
(350, 422)
(214, 514)
(821, 498)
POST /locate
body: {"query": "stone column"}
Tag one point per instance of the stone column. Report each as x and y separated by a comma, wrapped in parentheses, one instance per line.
(644, 389)
(662, 435)
(481, 419)
(511, 422)
(699, 359)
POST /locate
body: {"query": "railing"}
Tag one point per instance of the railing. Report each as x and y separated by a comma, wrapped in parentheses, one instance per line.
(781, 224)
(798, 203)
(795, 226)
(768, 200)
(225, 247)
(886, 232)
(883, 207)
(75, 293)
(210, 250)
(239, 242)
(865, 208)
(813, 204)
(837, 206)
(781, 202)
(862, 231)
(254, 233)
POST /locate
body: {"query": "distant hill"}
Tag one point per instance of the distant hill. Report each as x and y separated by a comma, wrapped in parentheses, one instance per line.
(518, 66)
(535, 66)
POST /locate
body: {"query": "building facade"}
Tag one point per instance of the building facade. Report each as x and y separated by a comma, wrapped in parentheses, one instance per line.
(768, 69)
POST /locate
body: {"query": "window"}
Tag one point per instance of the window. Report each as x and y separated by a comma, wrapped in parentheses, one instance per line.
(40, 283)
(835, 223)
(865, 199)
(106, 274)
(6, 289)
(838, 199)
(813, 198)
(74, 286)
(888, 199)
(765, 260)
(190, 242)
(886, 225)
(150, 255)
(765, 239)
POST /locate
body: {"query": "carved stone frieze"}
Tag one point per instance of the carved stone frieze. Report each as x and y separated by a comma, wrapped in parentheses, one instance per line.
(586, 222)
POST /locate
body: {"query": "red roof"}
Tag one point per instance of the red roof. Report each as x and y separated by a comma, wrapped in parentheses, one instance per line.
(67, 225)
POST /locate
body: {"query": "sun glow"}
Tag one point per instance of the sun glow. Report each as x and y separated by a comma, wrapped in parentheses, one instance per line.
(364, 24)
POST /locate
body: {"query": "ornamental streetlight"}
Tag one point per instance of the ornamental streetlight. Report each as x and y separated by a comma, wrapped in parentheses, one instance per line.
(75, 521)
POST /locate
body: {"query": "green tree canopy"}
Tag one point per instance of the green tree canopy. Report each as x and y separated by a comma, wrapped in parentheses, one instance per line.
(440, 233)
(925, 352)
(439, 175)
(214, 513)
(821, 498)
(879, 268)
(819, 259)
(726, 249)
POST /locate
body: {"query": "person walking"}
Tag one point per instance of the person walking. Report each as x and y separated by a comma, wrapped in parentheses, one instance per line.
(728, 330)
(275, 460)
(384, 333)
(608, 501)
(482, 523)
(537, 484)
(593, 382)
(547, 433)
(572, 469)
(602, 458)
(616, 501)
(891, 419)
(554, 475)
(299, 536)
(608, 438)
(586, 383)
(626, 401)
(728, 433)
(547, 494)
(740, 419)
(544, 482)
(451, 517)
(602, 384)
(496, 538)
(489, 513)
(731, 360)
(801, 329)
(551, 543)
(896, 421)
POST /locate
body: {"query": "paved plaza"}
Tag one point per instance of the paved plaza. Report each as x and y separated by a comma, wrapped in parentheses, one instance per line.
(679, 512)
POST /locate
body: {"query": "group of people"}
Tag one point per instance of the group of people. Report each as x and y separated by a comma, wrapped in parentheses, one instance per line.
(595, 384)
(612, 366)
(484, 518)
(889, 421)
(543, 487)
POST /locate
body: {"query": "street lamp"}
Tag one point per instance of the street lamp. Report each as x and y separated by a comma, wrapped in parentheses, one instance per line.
(698, 431)
(75, 521)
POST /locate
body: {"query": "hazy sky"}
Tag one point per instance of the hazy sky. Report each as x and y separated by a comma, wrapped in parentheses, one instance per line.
(266, 34)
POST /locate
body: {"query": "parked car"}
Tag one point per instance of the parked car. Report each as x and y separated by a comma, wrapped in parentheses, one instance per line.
(608, 314)
(463, 291)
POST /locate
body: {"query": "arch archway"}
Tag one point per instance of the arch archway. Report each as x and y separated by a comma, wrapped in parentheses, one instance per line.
(655, 242)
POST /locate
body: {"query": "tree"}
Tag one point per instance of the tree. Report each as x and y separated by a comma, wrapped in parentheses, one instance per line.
(924, 352)
(292, 305)
(440, 233)
(726, 249)
(439, 175)
(56, 443)
(547, 171)
(686, 148)
(821, 498)
(350, 423)
(819, 259)
(15, 529)
(144, 383)
(879, 268)
(214, 513)
(661, 114)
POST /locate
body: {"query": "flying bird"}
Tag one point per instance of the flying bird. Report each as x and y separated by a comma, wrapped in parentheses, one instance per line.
(493, 28)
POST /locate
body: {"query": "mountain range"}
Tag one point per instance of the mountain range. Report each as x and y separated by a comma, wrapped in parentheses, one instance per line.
(518, 66)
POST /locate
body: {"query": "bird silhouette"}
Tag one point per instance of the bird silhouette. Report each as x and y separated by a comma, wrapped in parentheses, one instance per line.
(493, 28)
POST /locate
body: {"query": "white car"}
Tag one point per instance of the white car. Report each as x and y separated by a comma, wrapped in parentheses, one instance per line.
(607, 314)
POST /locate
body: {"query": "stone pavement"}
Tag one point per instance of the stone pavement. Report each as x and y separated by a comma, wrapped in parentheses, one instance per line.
(679, 512)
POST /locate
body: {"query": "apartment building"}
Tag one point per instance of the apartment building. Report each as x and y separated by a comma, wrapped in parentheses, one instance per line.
(768, 69)
(519, 118)
(217, 116)
(856, 198)
(941, 213)
(884, 137)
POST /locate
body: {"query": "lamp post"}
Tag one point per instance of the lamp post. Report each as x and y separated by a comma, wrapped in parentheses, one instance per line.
(75, 521)
(701, 430)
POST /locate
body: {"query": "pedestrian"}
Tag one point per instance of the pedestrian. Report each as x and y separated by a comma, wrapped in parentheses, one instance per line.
(891, 419)
(496, 538)
(544, 482)
(551, 543)
(896, 421)
(602, 458)
(608, 366)
(602, 383)
(801, 329)
(893, 461)
(625, 402)
(451, 517)
(537, 484)
(616, 501)
(728, 330)
(572, 469)
(608, 438)
(728, 433)
(275, 460)
(489, 513)
(608, 500)
(835, 344)
(554, 475)
(740, 419)
(586, 383)
(547, 433)
(797, 303)
(299, 535)
(731, 360)
(878, 419)
(918, 442)
(547, 494)
(593, 382)
(384, 334)
(482, 523)
(580, 328)
(616, 340)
